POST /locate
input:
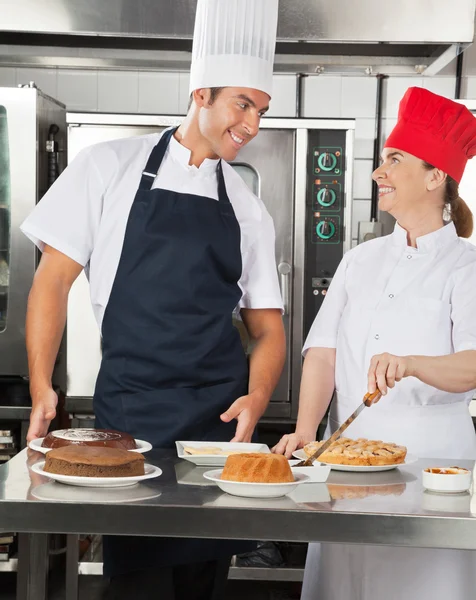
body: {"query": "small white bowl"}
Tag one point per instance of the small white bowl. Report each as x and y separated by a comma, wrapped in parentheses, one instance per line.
(317, 472)
(447, 480)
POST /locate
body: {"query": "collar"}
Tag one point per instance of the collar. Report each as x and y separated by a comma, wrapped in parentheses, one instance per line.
(429, 242)
(181, 155)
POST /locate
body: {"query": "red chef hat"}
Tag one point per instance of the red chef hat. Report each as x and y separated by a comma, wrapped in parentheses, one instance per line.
(436, 130)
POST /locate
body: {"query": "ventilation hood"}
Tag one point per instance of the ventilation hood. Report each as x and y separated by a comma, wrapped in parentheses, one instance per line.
(401, 36)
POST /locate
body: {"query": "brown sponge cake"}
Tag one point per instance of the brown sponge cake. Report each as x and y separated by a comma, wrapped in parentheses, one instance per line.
(105, 438)
(257, 468)
(90, 461)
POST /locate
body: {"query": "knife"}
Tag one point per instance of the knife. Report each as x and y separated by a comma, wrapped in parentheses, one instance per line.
(368, 400)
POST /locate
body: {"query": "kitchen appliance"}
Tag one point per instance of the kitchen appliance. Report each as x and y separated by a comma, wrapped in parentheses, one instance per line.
(302, 170)
(32, 153)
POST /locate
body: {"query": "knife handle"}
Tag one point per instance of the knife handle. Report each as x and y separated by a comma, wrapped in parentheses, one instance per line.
(370, 399)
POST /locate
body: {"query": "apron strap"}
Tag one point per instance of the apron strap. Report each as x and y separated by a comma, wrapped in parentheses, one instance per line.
(155, 160)
(222, 194)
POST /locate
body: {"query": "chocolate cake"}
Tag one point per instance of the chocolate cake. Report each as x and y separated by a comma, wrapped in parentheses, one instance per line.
(103, 438)
(90, 461)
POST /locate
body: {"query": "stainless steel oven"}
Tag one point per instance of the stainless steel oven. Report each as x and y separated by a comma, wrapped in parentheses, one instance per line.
(302, 170)
(32, 153)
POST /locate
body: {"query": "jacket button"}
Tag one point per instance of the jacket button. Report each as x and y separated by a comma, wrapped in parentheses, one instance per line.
(377, 337)
(409, 256)
(391, 296)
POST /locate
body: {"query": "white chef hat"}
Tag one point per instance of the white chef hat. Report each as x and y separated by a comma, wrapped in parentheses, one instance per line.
(233, 44)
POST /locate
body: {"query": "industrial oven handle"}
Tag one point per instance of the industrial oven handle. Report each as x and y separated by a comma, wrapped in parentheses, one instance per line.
(284, 270)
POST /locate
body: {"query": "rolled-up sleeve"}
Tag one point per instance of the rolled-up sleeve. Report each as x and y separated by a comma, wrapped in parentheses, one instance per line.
(323, 333)
(463, 308)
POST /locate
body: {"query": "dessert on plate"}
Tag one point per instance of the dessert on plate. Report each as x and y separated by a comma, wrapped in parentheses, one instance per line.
(93, 461)
(214, 450)
(255, 467)
(106, 438)
(361, 452)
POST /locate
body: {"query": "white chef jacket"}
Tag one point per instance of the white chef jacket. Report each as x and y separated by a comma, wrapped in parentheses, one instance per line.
(84, 214)
(389, 297)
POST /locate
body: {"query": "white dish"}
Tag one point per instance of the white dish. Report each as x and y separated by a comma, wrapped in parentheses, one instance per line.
(55, 492)
(409, 459)
(98, 482)
(142, 446)
(255, 490)
(216, 460)
(447, 483)
(317, 472)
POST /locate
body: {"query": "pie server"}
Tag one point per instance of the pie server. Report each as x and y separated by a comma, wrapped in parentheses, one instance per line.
(369, 399)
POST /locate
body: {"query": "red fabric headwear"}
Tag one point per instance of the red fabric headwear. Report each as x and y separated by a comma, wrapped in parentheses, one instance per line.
(436, 130)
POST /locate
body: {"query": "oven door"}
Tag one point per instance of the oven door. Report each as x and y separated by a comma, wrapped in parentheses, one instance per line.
(270, 156)
(18, 192)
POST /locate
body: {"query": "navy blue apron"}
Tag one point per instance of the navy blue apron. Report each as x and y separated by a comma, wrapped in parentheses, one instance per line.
(172, 360)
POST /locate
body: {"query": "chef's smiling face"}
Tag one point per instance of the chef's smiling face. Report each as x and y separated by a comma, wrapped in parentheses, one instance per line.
(232, 119)
(405, 186)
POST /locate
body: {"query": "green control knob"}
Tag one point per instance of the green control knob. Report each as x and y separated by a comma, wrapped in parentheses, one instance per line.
(325, 230)
(326, 197)
(327, 161)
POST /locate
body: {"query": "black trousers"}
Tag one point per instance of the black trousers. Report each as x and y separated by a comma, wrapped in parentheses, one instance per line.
(197, 581)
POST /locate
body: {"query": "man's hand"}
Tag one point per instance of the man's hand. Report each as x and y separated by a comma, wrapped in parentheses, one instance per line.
(43, 412)
(291, 442)
(387, 369)
(246, 410)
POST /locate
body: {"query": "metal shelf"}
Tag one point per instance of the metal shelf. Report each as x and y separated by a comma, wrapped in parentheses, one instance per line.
(22, 413)
(266, 574)
(250, 573)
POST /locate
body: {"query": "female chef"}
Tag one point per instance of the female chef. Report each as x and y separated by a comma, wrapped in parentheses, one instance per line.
(401, 308)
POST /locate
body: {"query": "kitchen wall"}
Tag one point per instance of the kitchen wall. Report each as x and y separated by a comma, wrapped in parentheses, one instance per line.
(324, 97)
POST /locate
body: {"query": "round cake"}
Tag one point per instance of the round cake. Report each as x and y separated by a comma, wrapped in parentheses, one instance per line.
(91, 461)
(257, 468)
(361, 452)
(103, 438)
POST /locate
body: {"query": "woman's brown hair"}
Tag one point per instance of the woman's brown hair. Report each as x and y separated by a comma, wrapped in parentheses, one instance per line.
(459, 211)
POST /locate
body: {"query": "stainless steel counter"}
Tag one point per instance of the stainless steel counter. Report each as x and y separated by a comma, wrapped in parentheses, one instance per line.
(389, 508)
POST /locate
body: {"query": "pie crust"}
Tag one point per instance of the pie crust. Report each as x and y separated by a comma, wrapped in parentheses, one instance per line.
(361, 452)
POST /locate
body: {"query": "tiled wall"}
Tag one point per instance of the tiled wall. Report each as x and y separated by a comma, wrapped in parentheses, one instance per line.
(324, 97)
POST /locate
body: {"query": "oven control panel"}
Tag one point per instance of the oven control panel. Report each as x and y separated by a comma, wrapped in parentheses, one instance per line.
(325, 216)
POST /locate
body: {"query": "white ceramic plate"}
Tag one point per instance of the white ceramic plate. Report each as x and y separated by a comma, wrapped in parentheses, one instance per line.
(98, 482)
(255, 490)
(317, 473)
(142, 446)
(55, 492)
(216, 460)
(409, 459)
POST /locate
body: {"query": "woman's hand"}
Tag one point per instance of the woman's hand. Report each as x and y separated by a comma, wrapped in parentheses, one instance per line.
(291, 442)
(386, 369)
